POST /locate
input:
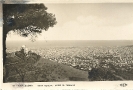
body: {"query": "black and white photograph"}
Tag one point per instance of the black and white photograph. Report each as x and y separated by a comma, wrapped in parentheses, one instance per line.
(61, 42)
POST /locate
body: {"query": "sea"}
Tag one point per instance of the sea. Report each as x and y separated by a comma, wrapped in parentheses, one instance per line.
(67, 43)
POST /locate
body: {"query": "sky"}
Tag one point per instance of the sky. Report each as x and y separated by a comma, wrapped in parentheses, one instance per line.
(88, 21)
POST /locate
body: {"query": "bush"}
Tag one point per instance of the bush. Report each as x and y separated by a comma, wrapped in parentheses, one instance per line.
(101, 74)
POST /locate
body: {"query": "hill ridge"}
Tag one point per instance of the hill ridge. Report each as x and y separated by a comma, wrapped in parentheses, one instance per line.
(42, 70)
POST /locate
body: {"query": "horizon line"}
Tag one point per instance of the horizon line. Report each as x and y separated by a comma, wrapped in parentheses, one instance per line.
(78, 40)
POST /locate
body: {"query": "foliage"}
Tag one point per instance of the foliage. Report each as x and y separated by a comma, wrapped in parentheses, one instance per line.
(40, 70)
(101, 74)
(27, 18)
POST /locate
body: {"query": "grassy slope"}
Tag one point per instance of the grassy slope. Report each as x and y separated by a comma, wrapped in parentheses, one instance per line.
(42, 70)
(61, 72)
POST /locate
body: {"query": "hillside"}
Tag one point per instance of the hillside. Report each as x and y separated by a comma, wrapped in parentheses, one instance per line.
(58, 66)
(35, 68)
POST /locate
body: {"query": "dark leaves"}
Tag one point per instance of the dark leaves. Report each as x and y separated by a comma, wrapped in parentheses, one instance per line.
(28, 18)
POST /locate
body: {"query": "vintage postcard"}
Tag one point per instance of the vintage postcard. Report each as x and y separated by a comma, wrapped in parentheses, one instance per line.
(66, 45)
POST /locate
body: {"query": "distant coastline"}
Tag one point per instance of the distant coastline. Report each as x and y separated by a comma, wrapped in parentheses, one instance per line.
(74, 43)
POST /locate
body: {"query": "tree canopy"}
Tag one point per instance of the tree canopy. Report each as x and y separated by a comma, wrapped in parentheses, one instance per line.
(27, 19)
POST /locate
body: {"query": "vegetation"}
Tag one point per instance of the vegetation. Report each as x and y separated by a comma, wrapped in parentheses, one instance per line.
(102, 63)
(26, 20)
(34, 68)
(68, 65)
(71, 64)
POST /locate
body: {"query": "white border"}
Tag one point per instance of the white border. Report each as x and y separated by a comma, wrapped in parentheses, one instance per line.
(102, 85)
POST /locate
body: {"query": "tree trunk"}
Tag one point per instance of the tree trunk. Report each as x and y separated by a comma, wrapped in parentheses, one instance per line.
(4, 54)
(4, 47)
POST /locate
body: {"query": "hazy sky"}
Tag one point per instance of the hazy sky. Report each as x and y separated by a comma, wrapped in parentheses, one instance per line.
(89, 22)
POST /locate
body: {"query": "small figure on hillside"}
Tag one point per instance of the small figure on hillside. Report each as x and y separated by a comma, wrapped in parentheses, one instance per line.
(24, 50)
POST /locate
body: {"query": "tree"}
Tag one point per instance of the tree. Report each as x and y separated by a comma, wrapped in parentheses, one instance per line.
(26, 20)
(21, 73)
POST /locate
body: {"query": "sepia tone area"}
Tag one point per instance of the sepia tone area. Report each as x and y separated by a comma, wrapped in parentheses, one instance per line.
(81, 44)
(70, 62)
